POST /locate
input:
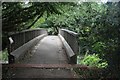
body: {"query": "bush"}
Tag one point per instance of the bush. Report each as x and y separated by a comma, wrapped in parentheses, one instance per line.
(4, 55)
(94, 61)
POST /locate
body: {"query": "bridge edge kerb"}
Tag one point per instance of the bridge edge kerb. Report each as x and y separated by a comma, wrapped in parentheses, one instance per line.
(26, 47)
(70, 54)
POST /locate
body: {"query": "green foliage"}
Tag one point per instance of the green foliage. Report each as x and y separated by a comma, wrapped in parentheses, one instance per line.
(97, 25)
(94, 61)
(19, 16)
(99, 47)
(4, 55)
(39, 22)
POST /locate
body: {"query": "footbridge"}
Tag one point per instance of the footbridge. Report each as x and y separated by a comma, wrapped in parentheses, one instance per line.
(35, 54)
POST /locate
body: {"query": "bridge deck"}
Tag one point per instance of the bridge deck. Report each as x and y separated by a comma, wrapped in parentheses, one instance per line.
(48, 51)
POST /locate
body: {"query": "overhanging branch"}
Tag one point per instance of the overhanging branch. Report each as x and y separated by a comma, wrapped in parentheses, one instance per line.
(35, 21)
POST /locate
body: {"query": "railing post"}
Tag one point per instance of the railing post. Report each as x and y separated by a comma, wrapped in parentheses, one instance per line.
(10, 57)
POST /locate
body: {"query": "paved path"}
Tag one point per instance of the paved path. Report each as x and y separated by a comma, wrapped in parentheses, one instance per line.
(48, 51)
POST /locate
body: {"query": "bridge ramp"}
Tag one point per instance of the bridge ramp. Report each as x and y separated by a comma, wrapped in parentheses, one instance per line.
(49, 50)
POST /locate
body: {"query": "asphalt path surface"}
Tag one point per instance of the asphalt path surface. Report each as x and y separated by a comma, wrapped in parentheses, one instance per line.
(49, 50)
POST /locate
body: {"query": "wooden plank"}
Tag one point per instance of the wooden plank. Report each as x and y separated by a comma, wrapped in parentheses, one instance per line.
(47, 66)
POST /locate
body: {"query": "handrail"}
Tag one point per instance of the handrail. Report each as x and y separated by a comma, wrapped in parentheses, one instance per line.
(70, 32)
(23, 37)
(20, 39)
(21, 51)
(71, 38)
(28, 30)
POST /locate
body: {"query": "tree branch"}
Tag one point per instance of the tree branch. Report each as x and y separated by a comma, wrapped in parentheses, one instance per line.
(35, 21)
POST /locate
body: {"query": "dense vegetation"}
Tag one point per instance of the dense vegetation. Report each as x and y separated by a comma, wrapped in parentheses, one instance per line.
(97, 24)
(17, 16)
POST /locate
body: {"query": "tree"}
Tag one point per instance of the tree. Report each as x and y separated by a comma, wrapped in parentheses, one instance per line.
(98, 26)
(17, 16)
